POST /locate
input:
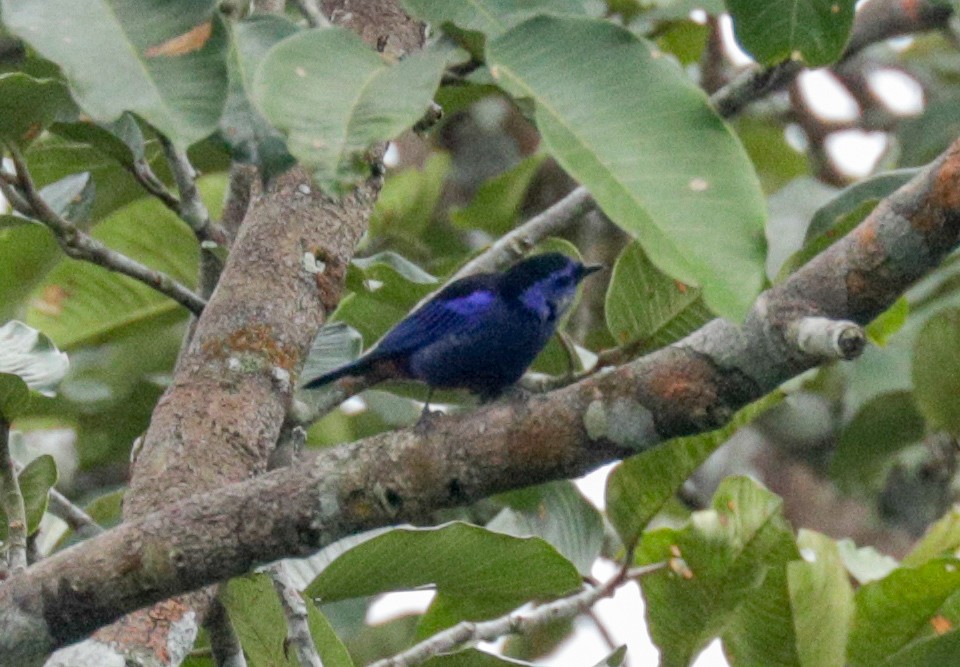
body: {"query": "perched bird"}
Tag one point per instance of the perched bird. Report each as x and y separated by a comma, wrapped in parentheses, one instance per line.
(478, 333)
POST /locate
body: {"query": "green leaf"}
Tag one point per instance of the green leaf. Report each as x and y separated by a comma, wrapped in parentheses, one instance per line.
(483, 571)
(942, 538)
(121, 139)
(865, 564)
(490, 17)
(615, 659)
(54, 157)
(261, 626)
(36, 480)
(30, 355)
(29, 105)
(164, 61)
(936, 370)
(888, 322)
(904, 610)
(79, 303)
(645, 305)
(557, 513)
(717, 562)
(814, 31)
(851, 199)
(474, 658)
(14, 396)
(821, 601)
(385, 287)
(639, 487)
(250, 137)
(333, 97)
(409, 196)
(881, 428)
(27, 252)
(635, 131)
(495, 207)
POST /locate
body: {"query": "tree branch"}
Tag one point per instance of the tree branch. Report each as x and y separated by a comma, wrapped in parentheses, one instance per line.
(516, 622)
(692, 386)
(294, 608)
(875, 21)
(80, 245)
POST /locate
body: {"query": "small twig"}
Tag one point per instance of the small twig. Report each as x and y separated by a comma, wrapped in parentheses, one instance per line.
(294, 608)
(311, 12)
(140, 169)
(80, 245)
(512, 246)
(12, 502)
(516, 622)
(827, 339)
(224, 644)
(191, 209)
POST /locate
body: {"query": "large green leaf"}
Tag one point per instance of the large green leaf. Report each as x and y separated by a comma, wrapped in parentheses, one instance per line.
(163, 60)
(28, 105)
(250, 137)
(487, 571)
(334, 96)
(490, 17)
(640, 486)
(27, 252)
(79, 303)
(936, 370)
(557, 513)
(719, 560)
(644, 305)
(905, 610)
(648, 146)
(814, 31)
(942, 538)
(821, 601)
(261, 626)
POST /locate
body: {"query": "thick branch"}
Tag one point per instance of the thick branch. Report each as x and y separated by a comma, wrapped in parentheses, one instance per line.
(692, 386)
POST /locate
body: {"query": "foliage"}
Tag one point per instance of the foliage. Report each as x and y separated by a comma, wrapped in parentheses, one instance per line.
(538, 94)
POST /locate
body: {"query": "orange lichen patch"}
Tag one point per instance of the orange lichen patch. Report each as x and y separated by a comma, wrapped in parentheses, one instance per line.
(149, 628)
(51, 300)
(912, 9)
(257, 339)
(866, 236)
(188, 42)
(941, 624)
(946, 185)
(679, 384)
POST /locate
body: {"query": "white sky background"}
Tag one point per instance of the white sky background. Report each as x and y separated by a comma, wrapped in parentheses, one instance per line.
(855, 153)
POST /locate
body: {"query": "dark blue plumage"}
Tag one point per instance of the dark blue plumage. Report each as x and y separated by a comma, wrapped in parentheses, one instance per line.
(479, 333)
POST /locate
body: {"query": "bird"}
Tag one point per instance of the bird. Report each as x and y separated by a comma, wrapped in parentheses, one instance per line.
(479, 333)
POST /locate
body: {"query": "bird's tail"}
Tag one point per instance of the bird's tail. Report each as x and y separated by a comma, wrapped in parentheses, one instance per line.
(356, 367)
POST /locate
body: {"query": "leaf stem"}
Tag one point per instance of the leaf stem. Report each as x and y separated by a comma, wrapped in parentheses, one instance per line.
(11, 499)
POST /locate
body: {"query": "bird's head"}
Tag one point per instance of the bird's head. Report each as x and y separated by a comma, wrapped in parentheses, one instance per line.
(547, 283)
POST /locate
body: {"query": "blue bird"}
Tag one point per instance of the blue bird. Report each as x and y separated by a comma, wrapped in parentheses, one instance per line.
(478, 333)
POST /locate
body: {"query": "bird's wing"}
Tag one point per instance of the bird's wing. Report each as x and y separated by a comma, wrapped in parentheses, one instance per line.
(456, 311)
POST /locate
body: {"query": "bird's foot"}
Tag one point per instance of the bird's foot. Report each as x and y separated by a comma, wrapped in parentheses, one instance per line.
(427, 417)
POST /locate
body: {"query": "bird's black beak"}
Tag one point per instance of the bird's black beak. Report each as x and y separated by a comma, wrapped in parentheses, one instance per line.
(587, 269)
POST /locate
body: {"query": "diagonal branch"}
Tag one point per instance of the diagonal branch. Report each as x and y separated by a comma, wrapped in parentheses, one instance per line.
(11, 500)
(79, 245)
(516, 622)
(690, 387)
